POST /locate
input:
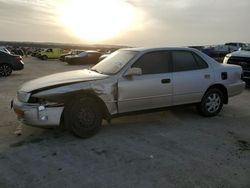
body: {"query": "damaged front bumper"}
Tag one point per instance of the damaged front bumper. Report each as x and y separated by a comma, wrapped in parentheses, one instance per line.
(38, 115)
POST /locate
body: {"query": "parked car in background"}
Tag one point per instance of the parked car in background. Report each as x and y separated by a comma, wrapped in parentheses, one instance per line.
(18, 51)
(72, 52)
(102, 57)
(222, 50)
(241, 58)
(9, 62)
(234, 46)
(84, 58)
(35, 52)
(4, 49)
(50, 53)
(128, 80)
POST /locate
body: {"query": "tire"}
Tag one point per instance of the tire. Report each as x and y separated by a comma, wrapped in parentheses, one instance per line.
(211, 103)
(5, 70)
(83, 117)
(44, 57)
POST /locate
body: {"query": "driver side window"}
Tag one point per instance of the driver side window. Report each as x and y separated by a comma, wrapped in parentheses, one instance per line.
(154, 63)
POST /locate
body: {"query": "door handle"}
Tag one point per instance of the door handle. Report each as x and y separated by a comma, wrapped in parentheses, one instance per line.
(166, 81)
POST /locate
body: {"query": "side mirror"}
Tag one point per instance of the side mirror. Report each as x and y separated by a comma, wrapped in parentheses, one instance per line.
(133, 72)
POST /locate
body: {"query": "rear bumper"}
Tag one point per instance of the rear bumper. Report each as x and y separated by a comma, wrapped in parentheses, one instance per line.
(236, 88)
(36, 114)
(18, 66)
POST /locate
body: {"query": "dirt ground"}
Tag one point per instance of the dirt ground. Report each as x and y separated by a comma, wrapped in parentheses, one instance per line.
(171, 148)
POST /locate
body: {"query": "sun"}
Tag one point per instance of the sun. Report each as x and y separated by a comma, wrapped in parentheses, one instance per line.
(96, 20)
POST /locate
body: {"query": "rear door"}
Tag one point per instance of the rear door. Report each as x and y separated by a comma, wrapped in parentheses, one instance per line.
(191, 77)
(152, 89)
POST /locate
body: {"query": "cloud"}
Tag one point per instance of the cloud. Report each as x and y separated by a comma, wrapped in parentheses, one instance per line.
(185, 22)
(162, 22)
(26, 12)
(30, 20)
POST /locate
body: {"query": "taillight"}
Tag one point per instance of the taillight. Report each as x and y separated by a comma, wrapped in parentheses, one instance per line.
(19, 58)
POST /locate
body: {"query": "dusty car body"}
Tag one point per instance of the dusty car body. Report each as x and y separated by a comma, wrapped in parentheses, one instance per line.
(128, 80)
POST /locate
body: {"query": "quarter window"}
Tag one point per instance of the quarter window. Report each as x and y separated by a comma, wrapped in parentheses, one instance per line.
(202, 64)
(154, 63)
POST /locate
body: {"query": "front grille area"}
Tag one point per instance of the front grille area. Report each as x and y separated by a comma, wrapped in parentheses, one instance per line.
(33, 100)
(242, 61)
(246, 74)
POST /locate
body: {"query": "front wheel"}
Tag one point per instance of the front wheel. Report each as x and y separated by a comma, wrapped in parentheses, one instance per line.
(5, 70)
(83, 117)
(211, 103)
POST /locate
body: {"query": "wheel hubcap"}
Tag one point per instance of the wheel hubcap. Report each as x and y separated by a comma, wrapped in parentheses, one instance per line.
(213, 103)
(5, 70)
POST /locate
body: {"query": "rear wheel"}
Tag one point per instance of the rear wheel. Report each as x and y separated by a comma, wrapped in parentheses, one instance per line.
(212, 103)
(83, 117)
(5, 70)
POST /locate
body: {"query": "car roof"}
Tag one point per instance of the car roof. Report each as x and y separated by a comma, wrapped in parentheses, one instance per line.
(92, 51)
(208, 59)
(149, 49)
(4, 52)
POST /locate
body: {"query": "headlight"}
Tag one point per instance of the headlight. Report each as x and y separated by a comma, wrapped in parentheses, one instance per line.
(23, 96)
(227, 57)
(225, 60)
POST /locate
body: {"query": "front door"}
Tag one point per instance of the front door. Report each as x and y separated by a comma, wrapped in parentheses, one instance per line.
(152, 89)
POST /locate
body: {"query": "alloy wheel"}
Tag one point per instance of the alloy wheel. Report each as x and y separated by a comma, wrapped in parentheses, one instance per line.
(213, 102)
(5, 70)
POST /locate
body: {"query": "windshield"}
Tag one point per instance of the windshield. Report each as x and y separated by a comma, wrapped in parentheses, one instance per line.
(82, 54)
(114, 62)
(246, 47)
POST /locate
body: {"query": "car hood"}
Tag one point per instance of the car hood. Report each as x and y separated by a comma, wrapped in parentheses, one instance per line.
(241, 53)
(61, 79)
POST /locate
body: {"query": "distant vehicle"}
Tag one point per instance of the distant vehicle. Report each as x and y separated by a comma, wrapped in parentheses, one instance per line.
(72, 52)
(102, 57)
(4, 49)
(222, 50)
(246, 47)
(129, 80)
(9, 62)
(234, 46)
(36, 52)
(241, 58)
(84, 58)
(18, 51)
(50, 53)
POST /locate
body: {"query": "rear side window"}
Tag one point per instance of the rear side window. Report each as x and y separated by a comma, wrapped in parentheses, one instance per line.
(154, 63)
(183, 61)
(3, 54)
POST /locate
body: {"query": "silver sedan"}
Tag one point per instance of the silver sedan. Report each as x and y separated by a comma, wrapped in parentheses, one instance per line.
(128, 80)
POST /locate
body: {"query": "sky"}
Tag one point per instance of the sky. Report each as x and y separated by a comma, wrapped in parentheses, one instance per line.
(126, 22)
